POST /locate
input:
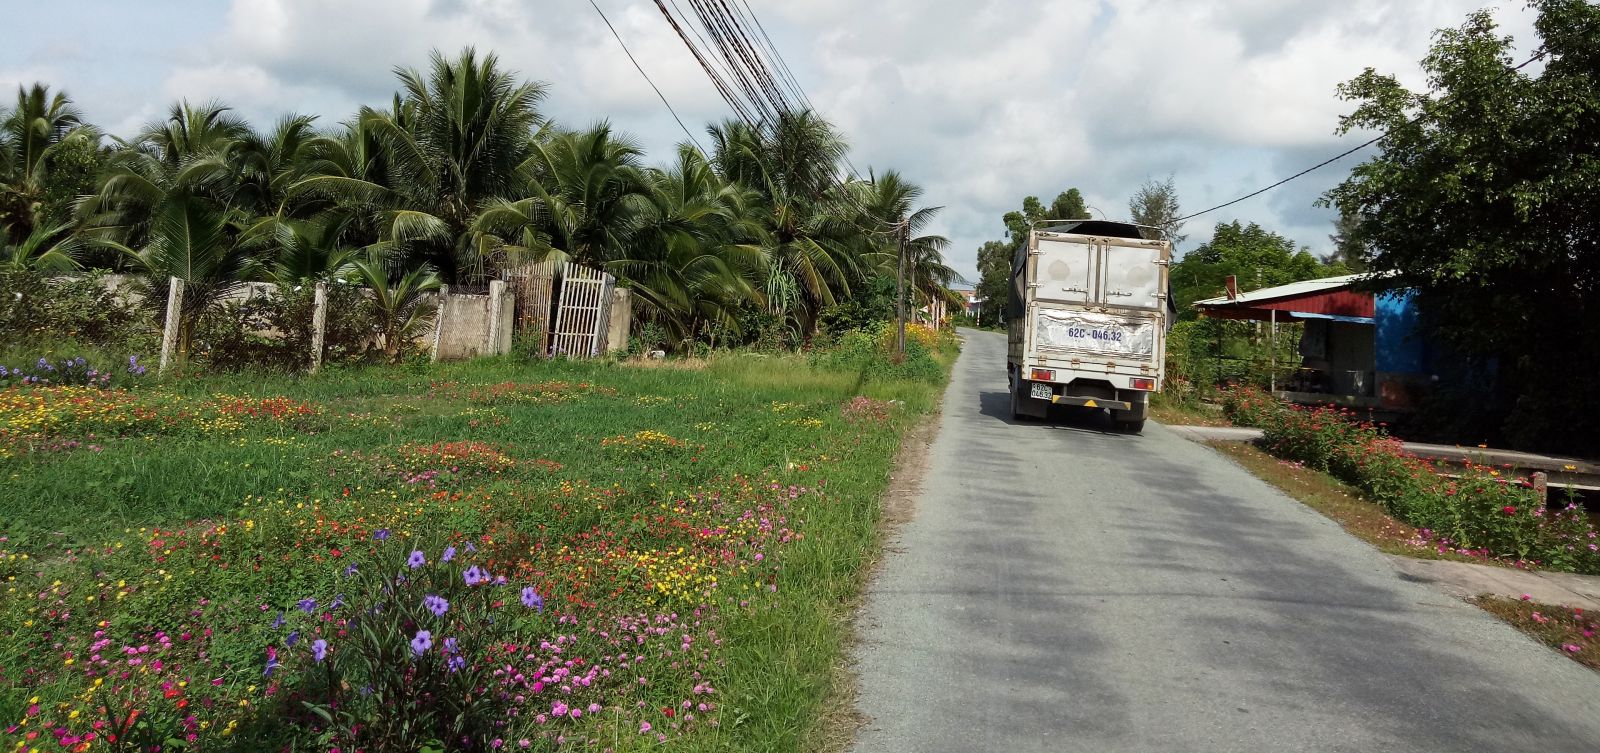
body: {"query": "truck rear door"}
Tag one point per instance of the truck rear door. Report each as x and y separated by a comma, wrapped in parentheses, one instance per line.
(1066, 270)
(1130, 275)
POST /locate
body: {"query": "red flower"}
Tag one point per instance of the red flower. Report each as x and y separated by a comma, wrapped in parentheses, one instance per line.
(669, 711)
(1509, 510)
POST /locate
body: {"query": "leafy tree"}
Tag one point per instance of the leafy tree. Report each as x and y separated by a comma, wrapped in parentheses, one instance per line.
(1483, 200)
(168, 202)
(697, 253)
(1347, 248)
(994, 278)
(1258, 257)
(1156, 204)
(1068, 205)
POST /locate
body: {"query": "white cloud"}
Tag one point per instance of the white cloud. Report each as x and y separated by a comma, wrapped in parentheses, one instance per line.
(980, 101)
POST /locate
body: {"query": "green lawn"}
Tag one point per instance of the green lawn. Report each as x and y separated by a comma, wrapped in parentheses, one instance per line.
(736, 502)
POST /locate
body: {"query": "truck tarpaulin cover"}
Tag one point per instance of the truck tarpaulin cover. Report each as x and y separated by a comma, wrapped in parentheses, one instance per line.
(1095, 333)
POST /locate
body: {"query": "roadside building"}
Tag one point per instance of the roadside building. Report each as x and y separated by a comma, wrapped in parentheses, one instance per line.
(1360, 347)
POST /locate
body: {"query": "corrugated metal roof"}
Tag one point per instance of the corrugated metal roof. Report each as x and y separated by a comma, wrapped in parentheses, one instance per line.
(1292, 290)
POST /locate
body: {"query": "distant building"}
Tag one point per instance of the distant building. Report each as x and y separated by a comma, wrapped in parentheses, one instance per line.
(970, 299)
(1360, 348)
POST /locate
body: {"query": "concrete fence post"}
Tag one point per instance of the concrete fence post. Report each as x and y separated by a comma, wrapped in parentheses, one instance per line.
(1541, 486)
(438, 321)
(497, 294)
(319, 325)
(169, 331)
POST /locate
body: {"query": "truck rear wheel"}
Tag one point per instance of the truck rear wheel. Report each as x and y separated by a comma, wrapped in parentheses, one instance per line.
(1017, 413)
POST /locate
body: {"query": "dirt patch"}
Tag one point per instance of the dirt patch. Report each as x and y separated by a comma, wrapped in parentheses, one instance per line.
(839, 719)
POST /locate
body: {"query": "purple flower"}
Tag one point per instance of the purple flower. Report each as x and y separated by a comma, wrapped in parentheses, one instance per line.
(294, 637)
(449, 554)
(272, 661)
(436, 605)
(278, 623)
(473, 576)
(308, 605)
(456, 663)
(338, 601)
(319, 650)
(422, 642)
(471, 548)
(350, 570)
(451, 647)
(382, 534)
(531, 599)
(417, 559)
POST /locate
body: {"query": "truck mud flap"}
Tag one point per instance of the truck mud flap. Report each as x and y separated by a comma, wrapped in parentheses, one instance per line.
(1091, 402)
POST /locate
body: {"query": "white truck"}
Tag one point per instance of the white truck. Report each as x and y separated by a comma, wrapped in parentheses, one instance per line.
(1087, 319)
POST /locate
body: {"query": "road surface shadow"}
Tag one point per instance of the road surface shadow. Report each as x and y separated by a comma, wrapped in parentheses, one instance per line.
(1309, 624)
(997, 405)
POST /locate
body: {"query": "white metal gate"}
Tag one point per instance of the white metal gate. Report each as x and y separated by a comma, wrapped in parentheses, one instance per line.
(583, 313)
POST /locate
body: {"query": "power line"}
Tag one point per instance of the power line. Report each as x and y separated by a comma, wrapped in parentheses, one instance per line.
(752, 76)
(1538, 54)
(647, 80)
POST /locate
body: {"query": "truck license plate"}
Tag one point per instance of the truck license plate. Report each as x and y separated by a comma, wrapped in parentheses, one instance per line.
(1040, 391)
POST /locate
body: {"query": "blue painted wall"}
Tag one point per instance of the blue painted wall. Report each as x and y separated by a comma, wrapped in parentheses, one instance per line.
(1400, 347)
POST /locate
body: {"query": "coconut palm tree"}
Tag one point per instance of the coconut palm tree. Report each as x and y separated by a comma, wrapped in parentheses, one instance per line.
(585, 195)
(450, 146)
(698, 253)
(41, 124)
(892, 200)
(813, 223)
(46, 249)
(168, 202)
(400, 303)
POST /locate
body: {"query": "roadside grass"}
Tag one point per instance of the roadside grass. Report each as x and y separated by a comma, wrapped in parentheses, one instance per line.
(1569, 631)
(588, 448)
(1344, 504)
(1175, 413)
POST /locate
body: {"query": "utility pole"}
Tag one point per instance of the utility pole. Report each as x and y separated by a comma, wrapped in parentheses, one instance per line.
(899, 290)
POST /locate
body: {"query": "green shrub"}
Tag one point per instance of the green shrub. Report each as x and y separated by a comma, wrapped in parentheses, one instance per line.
(1251, 406)
(875, 358)
(273, 331)
(1481, 512)
(39, 311)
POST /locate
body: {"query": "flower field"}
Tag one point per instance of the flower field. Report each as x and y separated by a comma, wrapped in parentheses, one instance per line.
(549, 556)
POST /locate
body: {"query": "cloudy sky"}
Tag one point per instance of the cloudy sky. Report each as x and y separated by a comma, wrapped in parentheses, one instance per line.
(980, 101)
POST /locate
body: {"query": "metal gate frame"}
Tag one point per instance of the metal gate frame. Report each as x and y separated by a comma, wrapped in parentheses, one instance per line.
(583, 312)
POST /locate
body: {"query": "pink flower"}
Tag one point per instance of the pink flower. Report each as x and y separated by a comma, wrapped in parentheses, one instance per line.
(1527, 597)
(1572, 648)
(644, 728)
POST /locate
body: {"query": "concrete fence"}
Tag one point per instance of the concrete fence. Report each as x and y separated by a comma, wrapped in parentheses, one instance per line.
(467, 325)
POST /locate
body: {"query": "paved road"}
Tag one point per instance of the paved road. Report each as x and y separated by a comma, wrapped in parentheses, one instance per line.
(1062, 588)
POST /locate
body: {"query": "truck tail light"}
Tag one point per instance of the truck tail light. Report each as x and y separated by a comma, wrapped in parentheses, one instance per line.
(1043, 375)
(1140, 383)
